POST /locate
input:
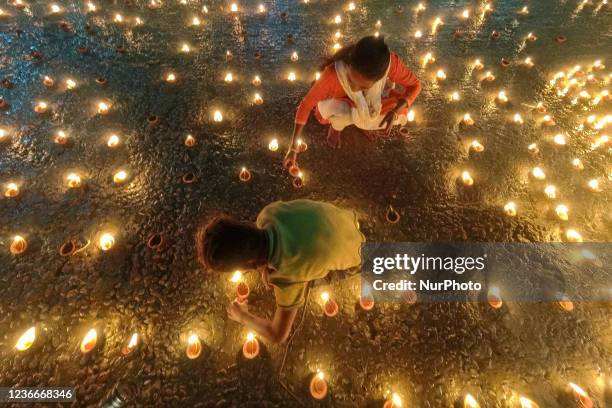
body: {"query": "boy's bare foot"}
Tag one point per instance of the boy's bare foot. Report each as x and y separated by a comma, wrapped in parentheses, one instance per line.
(333, 137)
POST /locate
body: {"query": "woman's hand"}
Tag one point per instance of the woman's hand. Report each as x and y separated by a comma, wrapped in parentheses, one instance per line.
(290, 158)
(237, 310)
(387, 122)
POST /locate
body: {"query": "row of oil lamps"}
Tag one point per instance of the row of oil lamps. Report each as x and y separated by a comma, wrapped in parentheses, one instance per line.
(318, 385)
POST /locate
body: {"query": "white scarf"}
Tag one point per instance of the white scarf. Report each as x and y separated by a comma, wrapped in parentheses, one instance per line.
(368, 104)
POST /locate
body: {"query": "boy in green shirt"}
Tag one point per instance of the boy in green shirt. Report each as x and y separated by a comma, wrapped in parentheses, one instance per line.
(293, 242)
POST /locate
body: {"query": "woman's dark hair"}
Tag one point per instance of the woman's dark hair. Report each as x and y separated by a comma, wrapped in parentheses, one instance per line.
(225, 244)
(370, 56)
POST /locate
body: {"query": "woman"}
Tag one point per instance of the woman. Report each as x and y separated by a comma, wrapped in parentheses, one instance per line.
(357, 88)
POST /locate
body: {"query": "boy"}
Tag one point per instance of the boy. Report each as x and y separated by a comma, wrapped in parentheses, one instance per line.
(293, 242)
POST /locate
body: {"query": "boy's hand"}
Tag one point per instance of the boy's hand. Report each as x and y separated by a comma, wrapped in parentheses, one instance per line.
(237, 310)
(265, 277)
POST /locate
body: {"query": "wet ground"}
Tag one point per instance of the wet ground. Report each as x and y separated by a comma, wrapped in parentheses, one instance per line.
(430, 354)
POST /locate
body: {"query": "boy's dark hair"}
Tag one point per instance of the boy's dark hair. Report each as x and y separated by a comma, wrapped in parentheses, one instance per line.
(370, 56)
(226, 244)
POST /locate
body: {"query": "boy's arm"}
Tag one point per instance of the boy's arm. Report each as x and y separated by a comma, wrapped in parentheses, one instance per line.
(276, 330)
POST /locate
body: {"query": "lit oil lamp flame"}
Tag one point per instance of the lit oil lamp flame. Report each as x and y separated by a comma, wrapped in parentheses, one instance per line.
(573, 236)
(3, 134)
(236, 277)
(477, 146)
(337, 19)
(411, 116)
(113, 141)
(119, 177)
(467, 179)
(217, 116)
(420, 7)
(581, 396)
(103, 108)
(489, 76)
(502, 97)
(470, 402)
(245, 174)
(11, 190)
(467, 120)
(256, 80)
(577, 163)
(318, 386)
(478, 64)
(91, 6)
(195, 21)
(261, 8)
(41, 107)
(60, 137)
(336, 46)
(185, 48)
(89, 341)
(562, 212)
(494, 298)
(527, 403)
(441, 75)
(171, 77)
(26, 340)
(118, 18)
(437, 22)
(550, 191)
(54, 8)
(418, 34)
(106, 241)
(454, 96)
(19, 245)
(194, 346)
(466, 14)
(594, 185)
(291, 77)
(351, 6)
(317, 75)
(428, 58)
(228, 77)
(510, 209)
(73, 180)
(518, 119)
(524, 11)
(257, 99)
(330, 307)
(70, 84)
(294, 56)
(131, 346)
(560, 139)
(190, 141)
(273, 145)
(234, 8)
(538, 173)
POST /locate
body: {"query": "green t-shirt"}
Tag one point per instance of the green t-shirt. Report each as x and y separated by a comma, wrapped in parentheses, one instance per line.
(307, 240)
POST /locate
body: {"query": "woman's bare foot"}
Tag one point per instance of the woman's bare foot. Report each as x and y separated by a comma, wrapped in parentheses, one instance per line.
(333, 137)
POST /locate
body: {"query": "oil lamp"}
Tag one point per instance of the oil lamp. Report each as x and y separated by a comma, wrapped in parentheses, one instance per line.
(113, 141)
(118, 18)
(103, 108)
(242, 288)
(524, 11)
(510, 209)
(131, 345)
(420, 7)
(594, 185)
(11, 190)
(538, 173)
(351, 6)
(392, 216)
(171, 77)
(477, 146)
(577, 163)
(106, 241)
(205, 9)
(411, 116)
(395, 401)
(548, 120)
(291, 77)
(437, 22)
(228, 56)
(256, 80)
(261, 9)
(428, 58)
(494, 298)
(598, 66)
(119, 177)
(273, 145)
(470, 402)
(41, 107)
(190, 141)
(336, 47)
(338, 19)
(301, 146)
(228, 77)
(19, 245)
(366, 302)
(217, 116)
(560, 139)
(298, 181)
(478, 65)
(70, 84)
(330, 307)
(250, 348)
(194, 346)
(73, 180)
(2, 13)
(565, 303)
(418, 34)
(581, 397)
(257, 99)
(466, 14)
(550, 191)
(234, 8)
(48, 81)
(489, 76)
(294, 56)
(60, 137)
(441, 75)
(518, 119)
(245, 175)
(91, 7)
(185, 48)
(527, 403)
(318, 386)
(26, 340)
(573, 236)
(502, 97)
(195, 21)
(528, 62)
(3, 134)
(54, 9)
(531, 37)
(562, 212)
(89, 341)
(467, 120)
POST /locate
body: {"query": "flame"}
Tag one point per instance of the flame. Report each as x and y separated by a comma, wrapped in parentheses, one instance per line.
(538, 173)
(418, 34)
(228, 77)
(510, 208)
(477, 146)
(89, 341)
(71, 83)
(11, 190)
(577, 163)
(106, 241)
(133, 341)
(294, 56)
(338, 19)
(113, 140)
(291, 77)
(120, 176)
(325, 296)
(573, 235)
(171, 77)
(194, 346)
(581, 395)
(467, 178)
(74, 180)
(103, 107)
(470, 402)
(256, 80)
(26, 339)
(185, 48)
(234, 8)
(396, 400)
(218, 116)
(236, 277)
(527, 403)
(441, 75)
(273, 145)
(550, 191)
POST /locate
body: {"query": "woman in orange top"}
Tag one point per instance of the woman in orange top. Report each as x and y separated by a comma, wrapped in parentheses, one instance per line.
(357, 87)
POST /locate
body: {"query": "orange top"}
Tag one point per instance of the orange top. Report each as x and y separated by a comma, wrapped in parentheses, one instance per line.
(328, 87)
